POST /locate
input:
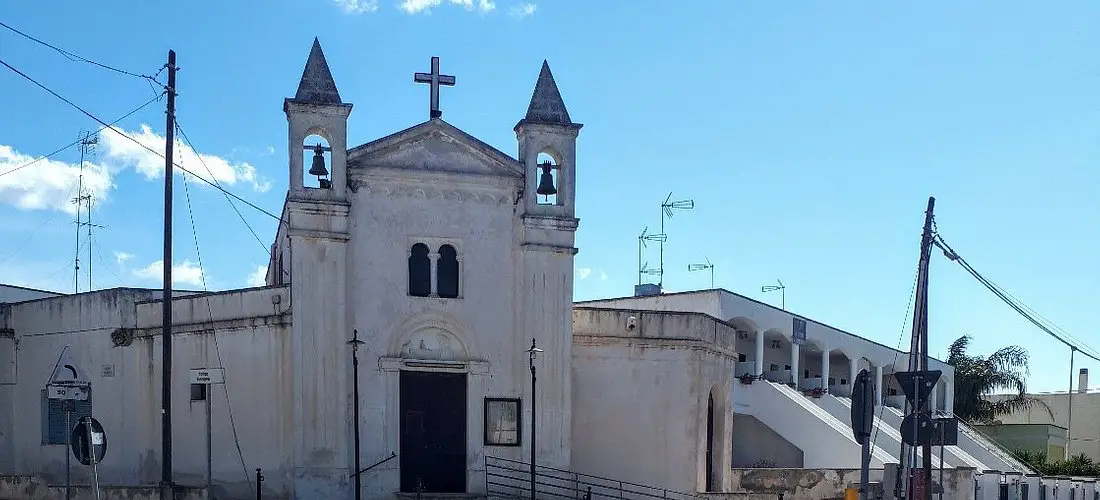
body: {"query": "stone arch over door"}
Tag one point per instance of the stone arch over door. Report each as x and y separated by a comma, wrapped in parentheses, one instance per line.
(432, 337)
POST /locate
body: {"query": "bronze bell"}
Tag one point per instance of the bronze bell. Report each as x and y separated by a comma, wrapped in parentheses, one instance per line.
(546, 181)
(318, 169)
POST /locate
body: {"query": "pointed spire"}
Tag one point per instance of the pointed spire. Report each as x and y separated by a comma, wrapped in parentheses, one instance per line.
(546, 103)
(317, 85)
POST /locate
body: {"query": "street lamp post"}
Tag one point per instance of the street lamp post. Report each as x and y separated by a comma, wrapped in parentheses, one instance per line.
(531, 357)
(355, 343)
(782, 293)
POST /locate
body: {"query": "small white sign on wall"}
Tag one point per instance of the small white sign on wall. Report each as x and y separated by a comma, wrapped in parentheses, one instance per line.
(207, 375)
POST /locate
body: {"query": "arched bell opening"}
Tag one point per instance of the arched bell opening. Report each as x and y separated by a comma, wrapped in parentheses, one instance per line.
(547, 169)
(317, 163)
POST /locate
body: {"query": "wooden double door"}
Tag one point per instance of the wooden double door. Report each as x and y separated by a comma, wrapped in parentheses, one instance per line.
(433, 432)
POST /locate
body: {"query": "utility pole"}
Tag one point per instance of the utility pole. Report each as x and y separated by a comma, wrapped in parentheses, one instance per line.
(1069, 406)
(167, 488)
(918, 382)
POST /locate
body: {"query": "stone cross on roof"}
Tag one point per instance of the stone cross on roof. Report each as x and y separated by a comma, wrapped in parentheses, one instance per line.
(435, 80)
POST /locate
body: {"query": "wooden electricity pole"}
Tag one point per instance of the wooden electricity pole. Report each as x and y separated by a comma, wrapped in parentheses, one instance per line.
(167, 488)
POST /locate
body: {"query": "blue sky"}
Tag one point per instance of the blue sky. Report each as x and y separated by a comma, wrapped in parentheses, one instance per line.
(809, 135)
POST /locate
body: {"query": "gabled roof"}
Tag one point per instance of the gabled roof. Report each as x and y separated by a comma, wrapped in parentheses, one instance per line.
(435, 129)
(317, 85)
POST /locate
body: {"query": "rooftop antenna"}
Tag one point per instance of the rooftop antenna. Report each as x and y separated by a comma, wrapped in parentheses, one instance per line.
(703, 267)
(642, 238)
(82, 199)
(782, 293)
(666, 211)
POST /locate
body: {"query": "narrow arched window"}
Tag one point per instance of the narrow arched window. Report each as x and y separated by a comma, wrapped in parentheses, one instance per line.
(420, 271)
(447, 272)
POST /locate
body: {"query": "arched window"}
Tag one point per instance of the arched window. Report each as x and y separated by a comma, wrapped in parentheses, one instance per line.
(546, 171)
(447, 272)
(420, 271)
(316, 163)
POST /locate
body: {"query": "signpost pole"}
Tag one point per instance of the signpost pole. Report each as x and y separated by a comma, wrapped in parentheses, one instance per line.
(209, 461)
(68, 445)
(91, 454)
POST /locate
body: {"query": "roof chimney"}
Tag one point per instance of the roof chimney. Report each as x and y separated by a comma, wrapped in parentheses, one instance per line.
(1083, 380)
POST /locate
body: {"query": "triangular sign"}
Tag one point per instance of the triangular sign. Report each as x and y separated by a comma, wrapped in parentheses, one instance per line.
(65, 370)
(927, 382)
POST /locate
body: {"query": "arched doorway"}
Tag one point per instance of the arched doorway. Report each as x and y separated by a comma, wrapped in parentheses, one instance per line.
(710, 445)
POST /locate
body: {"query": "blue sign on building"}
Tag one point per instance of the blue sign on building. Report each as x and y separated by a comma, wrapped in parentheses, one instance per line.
(798, 332)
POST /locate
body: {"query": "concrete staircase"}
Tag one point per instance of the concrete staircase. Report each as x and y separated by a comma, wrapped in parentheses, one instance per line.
(825, 440)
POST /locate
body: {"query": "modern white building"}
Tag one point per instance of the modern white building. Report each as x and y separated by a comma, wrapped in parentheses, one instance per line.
(445, 256)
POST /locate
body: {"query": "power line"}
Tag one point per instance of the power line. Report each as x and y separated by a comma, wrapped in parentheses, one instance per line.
(214, 332)
(74, 57)
(1018, 307)
(74, 143)
(143, 146)
(227, 198)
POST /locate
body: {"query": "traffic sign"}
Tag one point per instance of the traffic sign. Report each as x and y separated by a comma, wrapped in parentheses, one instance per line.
(798, 330)
(88, 435)
(73, 392)
(916, 434)
(927, 382)
(207, 375)
(863, 408)
(945, 431)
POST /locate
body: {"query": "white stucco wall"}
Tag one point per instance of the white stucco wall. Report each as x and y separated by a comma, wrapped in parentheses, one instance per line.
(640, 396)
(775, 323)
(251, 334)
(1085, 427)
(12, 293)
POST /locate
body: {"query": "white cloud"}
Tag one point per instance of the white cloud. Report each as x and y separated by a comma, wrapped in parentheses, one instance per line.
(51, 184)
(47, 184)
(523, 10)
(418, 6)
(603, 276)
(357, 6)
(258, 277)
(583, 272)
(186, 273)
(270, 150)
(122, 257)
(123, 152)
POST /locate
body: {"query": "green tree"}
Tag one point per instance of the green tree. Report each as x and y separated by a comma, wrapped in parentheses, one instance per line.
(977, 377)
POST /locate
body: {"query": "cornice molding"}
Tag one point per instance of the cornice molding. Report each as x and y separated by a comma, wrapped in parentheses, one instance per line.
(491, 195)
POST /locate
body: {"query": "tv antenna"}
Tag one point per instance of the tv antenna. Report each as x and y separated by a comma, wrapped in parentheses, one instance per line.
(782, 292)
(704, 267)
(666, 211)
(84, 199)
(643, 268)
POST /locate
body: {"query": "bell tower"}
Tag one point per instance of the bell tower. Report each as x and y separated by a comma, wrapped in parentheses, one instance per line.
(547, 149)
(317, 113)
(317, 220)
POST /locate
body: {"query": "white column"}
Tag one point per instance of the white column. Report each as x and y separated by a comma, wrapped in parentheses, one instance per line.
(759, 353)
(825, 368)
(794, 364)
(934, 397)
(433, 289)
(949, 396)
(878, 385)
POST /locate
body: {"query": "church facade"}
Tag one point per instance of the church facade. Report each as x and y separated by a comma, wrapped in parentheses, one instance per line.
(439, 269)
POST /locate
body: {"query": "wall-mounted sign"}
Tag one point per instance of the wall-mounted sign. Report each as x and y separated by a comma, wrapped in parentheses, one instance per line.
(798, 331)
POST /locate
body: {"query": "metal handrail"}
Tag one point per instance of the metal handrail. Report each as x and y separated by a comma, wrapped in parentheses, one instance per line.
(513, 478)
(376, 464)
